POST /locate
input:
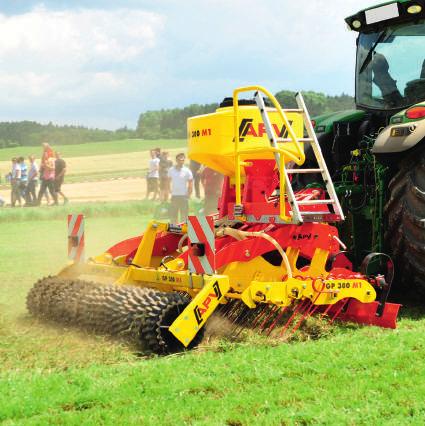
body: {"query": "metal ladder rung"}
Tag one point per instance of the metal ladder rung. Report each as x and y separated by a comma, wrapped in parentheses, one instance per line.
(304, 171)
(312, 213)
(293, 110)
(301, 140)
(295, 212)
(313, 202)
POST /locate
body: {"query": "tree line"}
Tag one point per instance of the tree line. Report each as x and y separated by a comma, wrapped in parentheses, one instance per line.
(160, 124)
(30, 133)
(171, 123)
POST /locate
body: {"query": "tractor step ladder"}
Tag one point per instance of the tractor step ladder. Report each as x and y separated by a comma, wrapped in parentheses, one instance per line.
(298, 216)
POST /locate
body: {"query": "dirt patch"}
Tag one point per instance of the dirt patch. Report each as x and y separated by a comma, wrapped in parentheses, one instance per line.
(110, 190)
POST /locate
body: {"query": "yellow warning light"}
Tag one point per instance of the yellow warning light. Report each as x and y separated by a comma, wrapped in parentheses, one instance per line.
(414, 9)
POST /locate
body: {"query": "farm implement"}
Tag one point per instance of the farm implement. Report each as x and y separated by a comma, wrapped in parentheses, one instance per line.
(268, 260)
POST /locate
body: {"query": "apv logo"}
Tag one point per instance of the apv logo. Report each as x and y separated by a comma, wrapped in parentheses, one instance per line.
(247, 128)
(200, 310)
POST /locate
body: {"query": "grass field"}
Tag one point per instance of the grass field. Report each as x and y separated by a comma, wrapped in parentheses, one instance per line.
(55, 375)
(95, 148)
(100, 160)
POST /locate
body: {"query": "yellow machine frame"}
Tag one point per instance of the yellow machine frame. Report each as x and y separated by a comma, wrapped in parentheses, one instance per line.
(208, 291)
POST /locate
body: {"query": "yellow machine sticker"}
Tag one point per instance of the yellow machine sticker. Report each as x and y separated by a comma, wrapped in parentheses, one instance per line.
(191, 320)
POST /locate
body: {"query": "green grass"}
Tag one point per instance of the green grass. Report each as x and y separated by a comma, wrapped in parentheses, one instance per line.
(129, 208)
(95, 148)
(56, 375)
(90, 210)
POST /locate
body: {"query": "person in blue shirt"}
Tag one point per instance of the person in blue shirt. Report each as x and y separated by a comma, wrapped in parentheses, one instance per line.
(23, 182)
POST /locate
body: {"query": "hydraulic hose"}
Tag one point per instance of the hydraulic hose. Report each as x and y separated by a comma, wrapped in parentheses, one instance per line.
(241, 235)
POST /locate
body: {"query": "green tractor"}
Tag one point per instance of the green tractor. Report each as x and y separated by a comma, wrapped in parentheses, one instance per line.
(376, 153)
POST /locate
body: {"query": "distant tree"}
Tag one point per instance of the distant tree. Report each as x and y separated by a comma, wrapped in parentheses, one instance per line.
(171, 123)
(317, 103)
(165, 123)
(30, 133)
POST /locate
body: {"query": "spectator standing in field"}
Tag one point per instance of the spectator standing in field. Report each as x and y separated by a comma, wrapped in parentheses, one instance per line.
(60, 170)
(47, 153)
(47, 174)
(32, 180)
(212, 182)
(15, 179)
(181, 183)
(152, 178)
(164, 185)
(23, 183)
(195, 168)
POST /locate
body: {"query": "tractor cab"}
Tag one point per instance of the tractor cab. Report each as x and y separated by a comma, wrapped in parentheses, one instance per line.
(390, 64)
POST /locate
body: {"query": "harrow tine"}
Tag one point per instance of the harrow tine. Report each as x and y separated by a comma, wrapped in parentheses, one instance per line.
(263, 310)
(277, 319)
(325, 312)
(301, 305)
(250, 313)
(237, 312)
(271, 312)
(338, 311)
(310, 311)
(274, 317)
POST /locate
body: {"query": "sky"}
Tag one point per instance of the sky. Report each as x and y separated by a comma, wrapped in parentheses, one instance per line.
(101, 63)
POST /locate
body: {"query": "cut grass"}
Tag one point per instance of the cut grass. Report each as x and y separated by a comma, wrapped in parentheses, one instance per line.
(137, 210)
(27, 214)
(348, 379)
(56, 375)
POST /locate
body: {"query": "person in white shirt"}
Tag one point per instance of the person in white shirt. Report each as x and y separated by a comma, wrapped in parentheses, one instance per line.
(181, 183)
(152, 178)
(15, 180)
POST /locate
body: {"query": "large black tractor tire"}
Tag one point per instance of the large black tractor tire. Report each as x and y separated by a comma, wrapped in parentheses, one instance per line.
(405, 215)
(139, 315)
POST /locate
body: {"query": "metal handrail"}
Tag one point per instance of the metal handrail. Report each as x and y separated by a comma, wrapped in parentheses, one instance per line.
(280, 154)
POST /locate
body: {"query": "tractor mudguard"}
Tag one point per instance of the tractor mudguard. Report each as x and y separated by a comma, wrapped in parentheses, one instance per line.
(399, 137)
(324, 123)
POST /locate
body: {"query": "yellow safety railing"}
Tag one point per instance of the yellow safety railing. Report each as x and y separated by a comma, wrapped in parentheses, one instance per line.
(298, 158)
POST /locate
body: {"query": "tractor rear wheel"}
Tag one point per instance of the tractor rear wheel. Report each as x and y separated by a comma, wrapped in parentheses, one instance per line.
(405, 213)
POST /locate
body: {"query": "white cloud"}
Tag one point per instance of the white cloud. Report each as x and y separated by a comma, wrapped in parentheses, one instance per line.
(107, 65)
(71, 54)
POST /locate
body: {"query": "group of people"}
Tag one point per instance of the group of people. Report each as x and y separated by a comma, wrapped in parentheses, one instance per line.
(178, 181)
(24, 179)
